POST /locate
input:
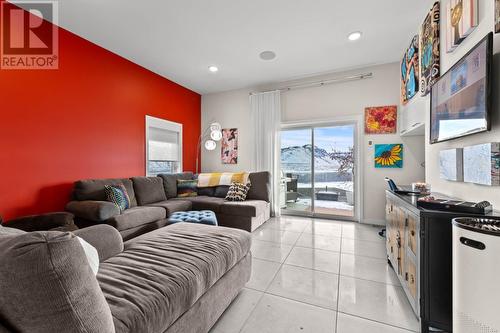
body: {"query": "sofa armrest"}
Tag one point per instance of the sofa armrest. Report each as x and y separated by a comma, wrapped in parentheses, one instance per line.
(51, 221)
(106, 239)
(96, 211)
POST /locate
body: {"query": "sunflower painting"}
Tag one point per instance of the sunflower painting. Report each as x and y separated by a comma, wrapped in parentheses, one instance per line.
(389, 156)
(381, 119)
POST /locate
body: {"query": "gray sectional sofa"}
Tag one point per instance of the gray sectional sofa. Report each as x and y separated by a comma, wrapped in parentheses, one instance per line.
(177, 279)
(154, 199)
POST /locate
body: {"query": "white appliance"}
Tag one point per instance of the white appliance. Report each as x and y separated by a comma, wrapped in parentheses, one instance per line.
(476, 275)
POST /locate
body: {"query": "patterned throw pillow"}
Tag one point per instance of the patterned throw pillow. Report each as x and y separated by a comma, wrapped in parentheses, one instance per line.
(237, 192)
(187, 188)
(118, 195)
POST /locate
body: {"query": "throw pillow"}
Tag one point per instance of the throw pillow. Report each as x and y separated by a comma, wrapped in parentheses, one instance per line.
(237, 192)
(207, 191)
(221, 191)
(118, 195)
(186, 188)
(91, 254)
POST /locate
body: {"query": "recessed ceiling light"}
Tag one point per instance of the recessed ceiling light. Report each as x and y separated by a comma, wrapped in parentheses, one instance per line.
(354, 35)
(213, 69)
(267, 55)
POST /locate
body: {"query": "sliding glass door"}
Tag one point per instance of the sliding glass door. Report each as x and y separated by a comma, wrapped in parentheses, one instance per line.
(296, 171)
(318, 164)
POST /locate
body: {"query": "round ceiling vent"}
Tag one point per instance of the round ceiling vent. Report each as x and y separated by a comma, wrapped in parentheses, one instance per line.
(267, 55)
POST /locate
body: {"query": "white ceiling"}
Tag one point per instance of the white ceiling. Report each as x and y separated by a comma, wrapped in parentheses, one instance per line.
(179, 39)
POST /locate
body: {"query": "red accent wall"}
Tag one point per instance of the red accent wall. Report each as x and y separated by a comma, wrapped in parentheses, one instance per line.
(84, 120)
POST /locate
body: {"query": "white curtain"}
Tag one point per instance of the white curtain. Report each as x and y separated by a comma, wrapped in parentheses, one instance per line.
(266, 115)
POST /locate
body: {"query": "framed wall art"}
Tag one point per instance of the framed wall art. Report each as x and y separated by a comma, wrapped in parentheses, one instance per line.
(430, 50)
(410, 73)
(389, 155)
(451, 164)
(229, 146)
(482, 164)
(381, 119)
(462, 17)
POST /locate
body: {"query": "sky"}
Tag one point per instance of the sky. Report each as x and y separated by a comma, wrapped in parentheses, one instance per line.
(328, 138)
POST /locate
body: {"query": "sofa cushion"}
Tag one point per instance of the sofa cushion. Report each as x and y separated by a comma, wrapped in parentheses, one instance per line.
(58, 221)
(183, 261)
(172, 206)
(221, 191)
(207, 191)
(93, 189)
(148, 190)
(249, 208)
(137, 216)
(106, 239)
(261, 186)
(48, 286)
(4, 231)
(97, 211)
(170, 182)
(204, 203)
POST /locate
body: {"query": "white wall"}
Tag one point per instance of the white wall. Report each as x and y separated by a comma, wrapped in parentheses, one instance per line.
(232, 109)
(466, 191)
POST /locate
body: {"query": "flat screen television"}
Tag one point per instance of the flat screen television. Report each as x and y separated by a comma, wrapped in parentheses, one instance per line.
(460, 99)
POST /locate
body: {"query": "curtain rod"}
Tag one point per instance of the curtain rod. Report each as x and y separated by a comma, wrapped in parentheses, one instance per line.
(320, 83)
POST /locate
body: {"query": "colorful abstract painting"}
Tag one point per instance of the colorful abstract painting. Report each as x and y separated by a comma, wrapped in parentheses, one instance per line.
(410, 72)
(429, 50)
(229, 146)
(497, 16)
(381, 119)
(389, 155)
(462, 17)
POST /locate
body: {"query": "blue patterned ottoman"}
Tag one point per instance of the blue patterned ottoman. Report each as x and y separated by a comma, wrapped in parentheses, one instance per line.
(202, 217)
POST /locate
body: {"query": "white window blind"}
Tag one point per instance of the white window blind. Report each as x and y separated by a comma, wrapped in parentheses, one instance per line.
(163, 146)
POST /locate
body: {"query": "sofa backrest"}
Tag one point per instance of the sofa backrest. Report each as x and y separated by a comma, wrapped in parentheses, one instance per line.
(93, 189)
(170, 182)
(48, 286)
(261, 186)
(149, 190)
(260, 189)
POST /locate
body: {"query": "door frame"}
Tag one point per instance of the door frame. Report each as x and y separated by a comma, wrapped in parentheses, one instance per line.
(357, 121)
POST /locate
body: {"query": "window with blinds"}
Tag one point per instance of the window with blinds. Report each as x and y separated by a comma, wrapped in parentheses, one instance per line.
(163, 146)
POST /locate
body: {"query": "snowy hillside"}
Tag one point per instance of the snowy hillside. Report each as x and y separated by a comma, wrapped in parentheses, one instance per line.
(298, 158)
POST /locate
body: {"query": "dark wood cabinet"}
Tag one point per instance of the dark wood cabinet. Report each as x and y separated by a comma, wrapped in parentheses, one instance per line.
(419, 248)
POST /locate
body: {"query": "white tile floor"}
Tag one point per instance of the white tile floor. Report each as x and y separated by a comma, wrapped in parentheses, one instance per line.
(313, 275)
